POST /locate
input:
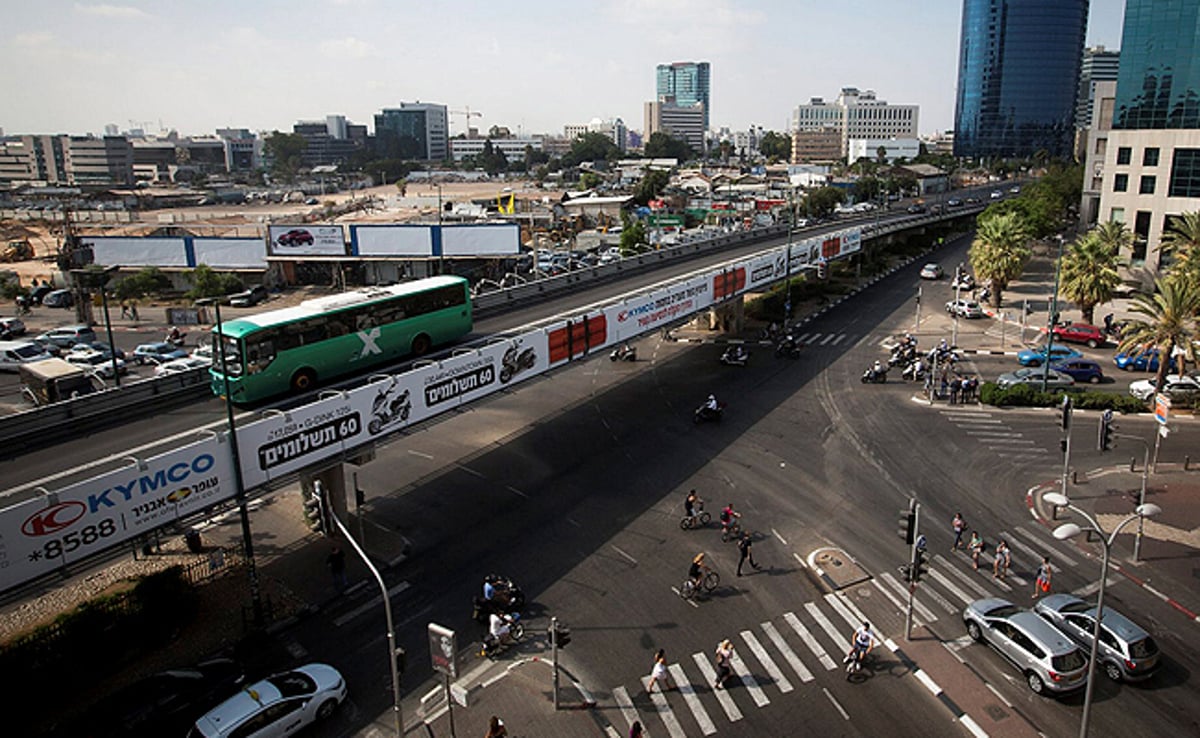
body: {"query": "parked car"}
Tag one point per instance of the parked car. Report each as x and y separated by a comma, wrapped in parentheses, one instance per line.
(1175, 386)
(965, 308)
(295, 237)
(1126, 652)
(1081, 370)
(1083, 333)
(12, 327)
(100, 346)
(168, 702)
(96, 362)
(996, 194)
(250, 297)
(276, 706)
(179, 366)
(932, 271)
(1033, 376)
(1049, 660)
(1146, 361)
(59, 299)
(157, 353)
(67, 336)
(15, 353)
(1035, 356)
(915, 208)
(954, 202)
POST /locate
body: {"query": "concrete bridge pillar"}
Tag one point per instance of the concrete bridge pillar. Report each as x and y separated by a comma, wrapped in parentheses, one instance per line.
(728, 317)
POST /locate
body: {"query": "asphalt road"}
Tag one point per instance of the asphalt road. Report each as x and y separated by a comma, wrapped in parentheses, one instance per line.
(580, 503)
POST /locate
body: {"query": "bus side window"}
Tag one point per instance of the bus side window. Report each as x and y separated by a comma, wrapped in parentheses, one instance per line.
(365, 319)
(259, 356)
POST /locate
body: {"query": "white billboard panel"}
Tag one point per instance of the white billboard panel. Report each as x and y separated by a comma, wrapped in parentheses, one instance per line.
(39, 536)
(230, 253)
(498, 239)
(667, 305)
(307, 240)
(392, 240)
(137, 252)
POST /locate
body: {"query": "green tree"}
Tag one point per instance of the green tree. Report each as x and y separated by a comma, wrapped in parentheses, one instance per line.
(285, 150)
(588, 180)
(776, 146)
(207, 282)
(591, 147)
(819, 203)
(148, 281)
(633, 234)
(1182, 243)
(662, 146)
(654, 181)
(1169, 321)
(999, 252)
(1089, 274)
(1114, 235)
(865, 188)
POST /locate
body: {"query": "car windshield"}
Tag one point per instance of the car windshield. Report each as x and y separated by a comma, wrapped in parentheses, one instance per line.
(28, 352)
(1079, 606)
(293, 684)
(1003, 611)
(1071, 661)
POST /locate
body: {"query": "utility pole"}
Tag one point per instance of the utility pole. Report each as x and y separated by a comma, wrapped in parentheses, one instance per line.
(1052, 318)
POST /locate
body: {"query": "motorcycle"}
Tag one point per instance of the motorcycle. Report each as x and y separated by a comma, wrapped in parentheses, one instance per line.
(493, 646)
(914, 371)
(870, 376)
(788, 347)
(705, 413)
(515, 361)
(902, 355)
(733, 357)
(388, 408)
(624, 352)
(963, 282)
(176, 338)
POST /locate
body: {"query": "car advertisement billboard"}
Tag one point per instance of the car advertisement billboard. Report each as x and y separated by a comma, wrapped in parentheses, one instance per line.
(645, 313)
(307, 240)
(69, 524)
(391, 240)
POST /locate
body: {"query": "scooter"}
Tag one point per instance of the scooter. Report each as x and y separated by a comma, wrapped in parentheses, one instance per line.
(176, 339)
(788, 347)
(870, 376)
(704, 413)
(515, 361)
(493, 646)
(731, 357)
(387, 408)
(914, 371)
(902, 355)
(624, 352)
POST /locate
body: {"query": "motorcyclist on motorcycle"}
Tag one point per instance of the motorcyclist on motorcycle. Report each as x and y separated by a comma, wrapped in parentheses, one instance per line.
(175, 336)
(500, 628)
(738, 353)
(877, 369)
(712, 405)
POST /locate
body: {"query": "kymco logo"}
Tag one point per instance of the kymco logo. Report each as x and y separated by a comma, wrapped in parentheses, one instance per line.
(53, 518)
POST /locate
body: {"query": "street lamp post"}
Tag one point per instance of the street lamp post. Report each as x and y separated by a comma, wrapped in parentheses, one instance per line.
(239, 486)
(1070, 530)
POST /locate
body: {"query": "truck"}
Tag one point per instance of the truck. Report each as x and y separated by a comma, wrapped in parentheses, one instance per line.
(54, 380)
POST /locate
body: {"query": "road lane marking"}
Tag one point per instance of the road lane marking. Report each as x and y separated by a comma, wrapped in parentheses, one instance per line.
(941, 579)
(756, 692)
(788, 654)
(1088, 590)
(895, 602)
(778, 537)
(764, 658)
(664, 710)
(809, 640)
(727, 704)
(628, 711)
(839, 339)
(422, 455)
(693, 702)
(845, 715)
(926, 614)
(961, 576)
(1024, 533)
(629, 558)
(843, 646)
(368, 605)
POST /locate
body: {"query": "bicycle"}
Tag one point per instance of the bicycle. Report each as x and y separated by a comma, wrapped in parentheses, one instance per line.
(731, 530)
(698, 518)
(856, 663)
(708, 583)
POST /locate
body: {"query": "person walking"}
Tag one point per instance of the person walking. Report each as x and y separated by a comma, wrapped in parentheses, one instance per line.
(960, 526)
(1001, 560)
(125, 309)
(336, 560)
(635, 730)
(496, 728)
(976, 548)
(658, 672)
(1042, 584)
(133, 313)
(744, 544)
(955, 388)
(724, 658)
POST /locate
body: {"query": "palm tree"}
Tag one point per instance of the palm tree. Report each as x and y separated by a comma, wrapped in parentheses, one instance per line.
(1170, 321)
(1089, 274)
(1114, 235)
(999, 252)
(1182, 242)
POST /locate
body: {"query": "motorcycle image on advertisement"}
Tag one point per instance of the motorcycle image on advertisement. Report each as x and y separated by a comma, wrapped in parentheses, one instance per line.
(389, 408)
(515, 361)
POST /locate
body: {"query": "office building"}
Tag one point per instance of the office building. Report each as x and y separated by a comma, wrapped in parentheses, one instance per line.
(1099, 65)
(681, 123)
(512, 148)
(685, 84)
(1018, 77)
(413, 131)
(333, 141)
(854, 114)
(1150, 169)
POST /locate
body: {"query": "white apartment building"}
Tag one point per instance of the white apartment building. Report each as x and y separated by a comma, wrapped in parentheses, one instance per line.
(512, 148)
(857, 115)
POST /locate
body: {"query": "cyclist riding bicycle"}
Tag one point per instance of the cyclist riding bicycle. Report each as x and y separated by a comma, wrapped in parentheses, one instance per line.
(729, 517)
(690, 503)
(861, 643)
(698, 569)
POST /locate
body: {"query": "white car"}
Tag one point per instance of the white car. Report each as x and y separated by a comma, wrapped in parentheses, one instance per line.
(1175, 386)
(95, 361)
(15, 353)
(965, 308)
(277, 706)
(178, 366)
(932, 271)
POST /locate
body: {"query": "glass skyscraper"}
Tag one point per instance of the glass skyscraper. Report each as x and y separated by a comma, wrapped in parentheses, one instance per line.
(1158, 85)
(1018, 77)
(684, 84)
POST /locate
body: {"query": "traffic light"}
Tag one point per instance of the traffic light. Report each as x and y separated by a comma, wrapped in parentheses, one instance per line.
(401, 657)
(560, 634)
(1107, 426)
(906, 572)
(908, 525)
(315, 510)
(920, 564)
(1064, 413)
(822, 270)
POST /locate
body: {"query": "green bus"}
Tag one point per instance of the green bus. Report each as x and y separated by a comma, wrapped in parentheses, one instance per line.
(291, 349)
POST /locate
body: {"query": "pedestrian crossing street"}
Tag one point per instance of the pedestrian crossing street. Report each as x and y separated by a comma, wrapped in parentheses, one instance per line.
(988, 428)
(792, 651)
(770, 660)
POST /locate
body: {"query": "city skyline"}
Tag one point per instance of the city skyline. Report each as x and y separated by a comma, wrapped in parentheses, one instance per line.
(532, 69)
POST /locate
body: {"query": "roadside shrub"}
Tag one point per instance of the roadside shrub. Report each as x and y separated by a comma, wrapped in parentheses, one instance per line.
(1024, 395)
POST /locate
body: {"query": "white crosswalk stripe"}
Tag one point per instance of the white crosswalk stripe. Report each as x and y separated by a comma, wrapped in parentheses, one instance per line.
(852, 620)
(843, 645)
(805, 337)
(948, 567)
(748, 681)
(710, 677)
(765, 659)
(941, 579)
(693, 702)
(828, 337)
(788, 654)
(1030, 535)
(838, 340)
(628, 711)
(925, 613)
(813, 646)
(664, 711)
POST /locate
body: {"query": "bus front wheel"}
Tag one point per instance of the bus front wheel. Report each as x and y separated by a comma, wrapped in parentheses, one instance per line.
(303, 380)
(421, 345)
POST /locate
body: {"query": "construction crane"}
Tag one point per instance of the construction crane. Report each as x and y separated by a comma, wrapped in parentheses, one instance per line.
(467, 114)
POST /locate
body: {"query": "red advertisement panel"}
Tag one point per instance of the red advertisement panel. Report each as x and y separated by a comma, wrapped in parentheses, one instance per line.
(585, 332)
(727, 284)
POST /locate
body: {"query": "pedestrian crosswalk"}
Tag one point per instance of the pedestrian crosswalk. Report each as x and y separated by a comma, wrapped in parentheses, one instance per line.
(985, 427)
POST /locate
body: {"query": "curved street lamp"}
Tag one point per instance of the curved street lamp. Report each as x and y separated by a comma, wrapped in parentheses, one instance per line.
(1071, 530)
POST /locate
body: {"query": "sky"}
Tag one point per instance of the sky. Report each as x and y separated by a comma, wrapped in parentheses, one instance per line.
(530, 65)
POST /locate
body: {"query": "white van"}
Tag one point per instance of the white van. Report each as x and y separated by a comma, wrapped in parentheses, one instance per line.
(15, 353)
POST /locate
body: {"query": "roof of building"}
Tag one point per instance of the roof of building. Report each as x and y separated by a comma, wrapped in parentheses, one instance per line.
(924, 170)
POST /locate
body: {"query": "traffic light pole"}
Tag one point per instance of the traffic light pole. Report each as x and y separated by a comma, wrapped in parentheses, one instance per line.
(911, 521)
(554, 655)
(1065, 409)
